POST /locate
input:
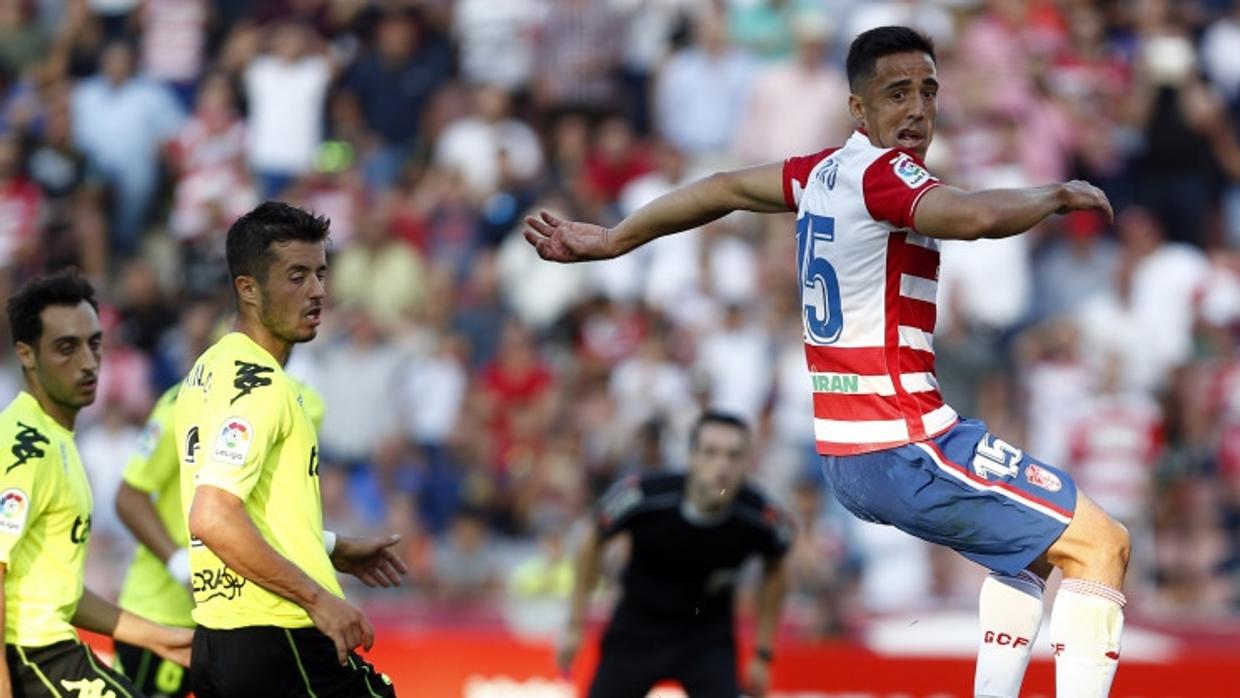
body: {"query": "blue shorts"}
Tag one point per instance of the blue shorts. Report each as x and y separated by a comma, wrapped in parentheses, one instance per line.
(965, 489)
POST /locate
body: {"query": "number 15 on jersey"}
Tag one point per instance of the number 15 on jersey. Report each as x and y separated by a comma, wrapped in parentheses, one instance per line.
(820, 288)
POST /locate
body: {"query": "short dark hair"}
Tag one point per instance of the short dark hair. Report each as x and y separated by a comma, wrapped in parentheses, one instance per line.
(250, 238)
(869, 46)
(65, 287)
(716, 417)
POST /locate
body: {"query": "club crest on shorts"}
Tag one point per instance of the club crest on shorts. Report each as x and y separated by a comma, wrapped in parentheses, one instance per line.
(233, 442)
(1043, 478)
(14, 504)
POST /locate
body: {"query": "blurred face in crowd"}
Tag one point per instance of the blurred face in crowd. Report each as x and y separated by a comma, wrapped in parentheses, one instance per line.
(289, 299)
(64, 362)
(718, 460)
(396, 38)
(9, 155)
(117, 63)
(899, 105)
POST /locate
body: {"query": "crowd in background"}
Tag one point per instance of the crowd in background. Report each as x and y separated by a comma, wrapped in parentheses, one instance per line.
(479, 399)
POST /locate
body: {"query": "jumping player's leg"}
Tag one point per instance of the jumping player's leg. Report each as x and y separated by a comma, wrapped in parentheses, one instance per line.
(1088, 617)
(1009, 614)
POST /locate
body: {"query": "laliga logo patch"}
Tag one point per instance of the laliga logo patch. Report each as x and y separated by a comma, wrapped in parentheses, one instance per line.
(909, 172)
(233, 442)
(14, 504)
(1043, 478)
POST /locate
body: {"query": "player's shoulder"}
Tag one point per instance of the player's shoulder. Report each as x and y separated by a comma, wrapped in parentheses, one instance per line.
(24, 435)
(641, 492)
(242, 373)
(758, 506)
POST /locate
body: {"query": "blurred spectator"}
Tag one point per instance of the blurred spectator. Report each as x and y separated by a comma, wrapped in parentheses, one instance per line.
(822, 575)
(518, 388)
(548, 574)
(701, 92)
(393, 82)
(286, 90)
(1074, 266)
(735, 361)
(20, 208)
(578, 49)
(798, 106)
(764, 28)
(174, 43)
(466, 567)
(616, 160)
(22, 44)
(650, 388)
(498, 40)
(145, 313)
(380, 274)
(649, 29)
(490, 146)
(120, 122)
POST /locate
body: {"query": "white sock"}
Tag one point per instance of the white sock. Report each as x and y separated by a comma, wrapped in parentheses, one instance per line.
(1085, 627)
(1010, 613)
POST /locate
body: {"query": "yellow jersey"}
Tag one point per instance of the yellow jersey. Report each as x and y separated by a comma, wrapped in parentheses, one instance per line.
(149, 589)
(241, 426)
(45, 507)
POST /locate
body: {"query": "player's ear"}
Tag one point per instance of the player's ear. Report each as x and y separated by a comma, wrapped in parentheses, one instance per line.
(855, 109)
(247, 289)
(25, 355)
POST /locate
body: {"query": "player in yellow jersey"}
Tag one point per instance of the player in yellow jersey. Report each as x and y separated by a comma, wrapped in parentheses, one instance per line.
(272, 620)
(45, 508)
(157, 585)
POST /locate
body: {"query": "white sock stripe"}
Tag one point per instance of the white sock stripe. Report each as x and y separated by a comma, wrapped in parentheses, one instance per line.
(1088, 588)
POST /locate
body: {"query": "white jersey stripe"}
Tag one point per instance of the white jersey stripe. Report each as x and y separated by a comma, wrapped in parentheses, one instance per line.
(919, 382)
(868, 432)
(852, 383)
(918, 288)
(921, 240)
(938, 419)
(992, 487)
(914, 338)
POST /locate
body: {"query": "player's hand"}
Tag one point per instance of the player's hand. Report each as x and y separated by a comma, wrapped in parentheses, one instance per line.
(343, 623)
(566, 241)
(568, 647)
(6, 687)
(1080, 195)
(370, 560)
(757, 677)
(173, 644)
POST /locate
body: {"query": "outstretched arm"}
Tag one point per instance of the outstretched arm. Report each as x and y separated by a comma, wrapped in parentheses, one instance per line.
(758, 189)
(585, 579)
(950, 213)
(96, 614)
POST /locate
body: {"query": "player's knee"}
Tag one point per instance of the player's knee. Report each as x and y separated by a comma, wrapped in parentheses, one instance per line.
(1112, 546)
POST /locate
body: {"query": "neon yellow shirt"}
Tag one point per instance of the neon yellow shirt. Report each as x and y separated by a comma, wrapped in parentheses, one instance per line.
(45, 507)
(149, 589)
(241, 427)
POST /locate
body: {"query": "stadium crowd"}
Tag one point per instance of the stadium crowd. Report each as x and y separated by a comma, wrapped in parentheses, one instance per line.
(478, 400)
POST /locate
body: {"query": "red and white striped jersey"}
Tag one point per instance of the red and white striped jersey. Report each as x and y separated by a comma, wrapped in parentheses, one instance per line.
(868, 285)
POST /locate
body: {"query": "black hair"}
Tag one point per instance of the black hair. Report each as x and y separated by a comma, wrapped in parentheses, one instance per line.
(716, 417)
(65, 287)
(869, 46)
(250, 238)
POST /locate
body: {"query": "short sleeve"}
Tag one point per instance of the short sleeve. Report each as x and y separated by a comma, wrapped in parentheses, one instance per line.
(155, 461)
(236, 444)
(796, 175)
(780, 530)
(22, 491)
(615, 511)
(892, 186)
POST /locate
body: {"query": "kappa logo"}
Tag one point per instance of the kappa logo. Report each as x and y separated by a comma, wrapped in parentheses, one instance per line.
(232, 444)
(249, 377)
(1043, 478)
(26, 445)
(909, 172)
(14, 504)
(88, 688)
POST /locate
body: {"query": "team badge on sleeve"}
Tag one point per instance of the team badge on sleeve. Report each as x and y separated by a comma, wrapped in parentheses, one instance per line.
(233, 442)
(909, 172)
(14, 504)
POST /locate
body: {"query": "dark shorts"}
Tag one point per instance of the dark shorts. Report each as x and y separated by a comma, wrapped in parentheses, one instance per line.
(966, 490)
(633, 660)
(153, 675)
(65, 669)
(269, 662)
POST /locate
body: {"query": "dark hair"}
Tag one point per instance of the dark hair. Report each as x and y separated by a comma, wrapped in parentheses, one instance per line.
(250, 238)
(715, 417)
(65, 287)
(869, 46)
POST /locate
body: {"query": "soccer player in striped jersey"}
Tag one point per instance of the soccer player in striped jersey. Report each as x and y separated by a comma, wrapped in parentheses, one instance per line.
(869, 221)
